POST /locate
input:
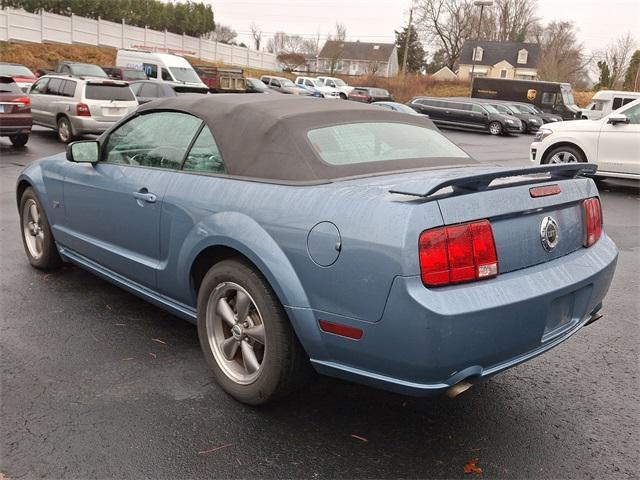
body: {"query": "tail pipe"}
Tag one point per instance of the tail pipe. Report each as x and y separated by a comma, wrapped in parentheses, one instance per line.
(458, 388)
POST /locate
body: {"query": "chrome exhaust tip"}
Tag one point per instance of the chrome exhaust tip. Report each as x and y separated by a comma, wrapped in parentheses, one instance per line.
(458, 388)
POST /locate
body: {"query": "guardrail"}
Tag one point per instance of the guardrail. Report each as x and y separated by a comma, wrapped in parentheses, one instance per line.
(43, 27)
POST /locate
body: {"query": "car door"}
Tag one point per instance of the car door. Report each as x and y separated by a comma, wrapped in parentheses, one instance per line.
(112, 208)
(54, 102)
(38, 96)
(619, 144)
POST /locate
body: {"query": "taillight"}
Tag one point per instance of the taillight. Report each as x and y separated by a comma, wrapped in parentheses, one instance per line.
(457, 253)
(23, 101)
(593, 220)
(544, 191)
(82, 110)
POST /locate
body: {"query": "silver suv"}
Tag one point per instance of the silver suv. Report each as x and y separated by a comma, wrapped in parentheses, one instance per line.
(75, 106)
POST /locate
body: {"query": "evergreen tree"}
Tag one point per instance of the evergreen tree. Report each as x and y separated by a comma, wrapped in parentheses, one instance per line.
(416, 56)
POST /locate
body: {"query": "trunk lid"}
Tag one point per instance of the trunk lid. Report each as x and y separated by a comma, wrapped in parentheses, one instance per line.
(109, 101)
(518, 219)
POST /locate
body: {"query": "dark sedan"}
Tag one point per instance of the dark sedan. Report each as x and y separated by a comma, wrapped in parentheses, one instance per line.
(257, 86)
(370, 95)
(15, 112)
(147, 90)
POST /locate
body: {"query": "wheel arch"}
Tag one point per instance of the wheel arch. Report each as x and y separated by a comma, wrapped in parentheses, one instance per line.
(564, 143)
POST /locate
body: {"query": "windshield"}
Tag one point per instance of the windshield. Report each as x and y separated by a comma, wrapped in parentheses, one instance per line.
(88, 71)
(184, 74)
(525, 108)
(257, 84)
(567, 95)
(376, 142)
(287, 83)
(316, 82)
(517, 109)
(490, 108)
(15, 71)
(135, 74)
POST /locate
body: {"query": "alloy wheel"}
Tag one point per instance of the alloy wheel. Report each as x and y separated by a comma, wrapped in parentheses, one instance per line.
(236, 333)
(32, 228)
(563, 157)
(64, 130)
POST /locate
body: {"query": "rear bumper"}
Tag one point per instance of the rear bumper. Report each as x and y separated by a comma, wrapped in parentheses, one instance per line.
(15, 123)
(431, 339)
(86, 125)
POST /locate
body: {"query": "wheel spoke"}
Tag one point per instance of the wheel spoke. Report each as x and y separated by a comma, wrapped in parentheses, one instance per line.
(229, 347)
(243, 303)
(225, 311)
(257, 333)
(39, 241)
(251, 363)
(33, 211)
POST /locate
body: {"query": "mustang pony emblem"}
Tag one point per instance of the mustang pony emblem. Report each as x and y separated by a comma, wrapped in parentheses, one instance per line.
(549, 233)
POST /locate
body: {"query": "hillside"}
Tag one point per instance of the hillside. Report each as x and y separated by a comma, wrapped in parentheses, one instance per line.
(36, 56)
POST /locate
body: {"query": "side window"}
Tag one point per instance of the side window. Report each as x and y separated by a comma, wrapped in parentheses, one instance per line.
(548, 98)
(265, 80)
(299, 81)
(150, 70)
(135, 88)
(633, 114)
(617, 103)
(65, 69)
(275, 83)
(309, 83)
(332, 84)
(40, 86)
(166, 76)
(477, 109)
(157, 140)
(55, 86)
(149, 90)
(627, 100)
(204, 155)
(69, 88)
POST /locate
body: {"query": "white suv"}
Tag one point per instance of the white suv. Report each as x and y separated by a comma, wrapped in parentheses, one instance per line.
(313, 84)
(338, 84)
(74, 106)
(612, 142)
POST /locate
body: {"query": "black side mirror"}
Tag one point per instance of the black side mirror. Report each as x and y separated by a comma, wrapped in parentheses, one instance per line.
(85, 151)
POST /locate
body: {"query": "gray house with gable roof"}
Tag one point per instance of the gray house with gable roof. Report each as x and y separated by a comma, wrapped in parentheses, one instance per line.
(515, 60)
(356, 58)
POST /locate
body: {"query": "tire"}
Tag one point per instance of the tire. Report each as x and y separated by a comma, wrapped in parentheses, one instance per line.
(343, 95)
(495, 128)
(65, 130)
(37, 239)
(19, 140)
(254, 368)
(564, 154)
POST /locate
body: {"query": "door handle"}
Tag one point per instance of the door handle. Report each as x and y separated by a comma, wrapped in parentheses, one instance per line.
(144, 195)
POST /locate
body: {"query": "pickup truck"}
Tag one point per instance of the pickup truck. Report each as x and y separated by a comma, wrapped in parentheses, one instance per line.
(222, 80)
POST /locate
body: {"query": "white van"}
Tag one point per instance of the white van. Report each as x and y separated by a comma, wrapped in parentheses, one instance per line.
(606, 101)
(160, 66)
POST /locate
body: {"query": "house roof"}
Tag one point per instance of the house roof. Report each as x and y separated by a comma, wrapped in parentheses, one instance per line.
(357, 50)
(495, 52)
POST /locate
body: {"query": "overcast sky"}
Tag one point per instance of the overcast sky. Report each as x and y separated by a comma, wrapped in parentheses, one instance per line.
(598, 21)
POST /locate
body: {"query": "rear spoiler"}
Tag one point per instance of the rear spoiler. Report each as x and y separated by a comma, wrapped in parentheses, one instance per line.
(476, 183)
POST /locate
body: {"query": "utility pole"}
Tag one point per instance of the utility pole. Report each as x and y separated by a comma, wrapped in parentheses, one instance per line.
(406, 41)
(481, 4)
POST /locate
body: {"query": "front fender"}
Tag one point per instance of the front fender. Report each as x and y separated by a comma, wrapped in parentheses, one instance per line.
(242, 233)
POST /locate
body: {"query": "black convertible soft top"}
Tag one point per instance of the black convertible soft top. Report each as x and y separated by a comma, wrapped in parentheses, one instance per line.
(265, 136)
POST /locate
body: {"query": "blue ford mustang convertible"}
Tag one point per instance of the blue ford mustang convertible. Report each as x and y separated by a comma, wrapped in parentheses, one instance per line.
(330, 236)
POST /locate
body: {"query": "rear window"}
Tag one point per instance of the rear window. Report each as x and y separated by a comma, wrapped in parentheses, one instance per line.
(7, 85)
(108, 92)
(131, 74)
(355, 143)
(15, 71)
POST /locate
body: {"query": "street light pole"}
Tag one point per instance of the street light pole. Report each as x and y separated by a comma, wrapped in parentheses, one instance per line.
(481, 4)
(406, 41)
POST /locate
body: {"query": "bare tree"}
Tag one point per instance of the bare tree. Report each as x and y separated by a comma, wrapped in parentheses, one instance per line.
(256, 33)
(446, 23)
(617, 56)
(341, 32)
(508, 20)
(281, 42)
(224, 34)
(311, 46)
(291, 61)
(562, 57)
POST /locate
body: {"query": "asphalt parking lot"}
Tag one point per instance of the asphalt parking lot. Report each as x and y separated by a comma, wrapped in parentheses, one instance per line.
(97, 383)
